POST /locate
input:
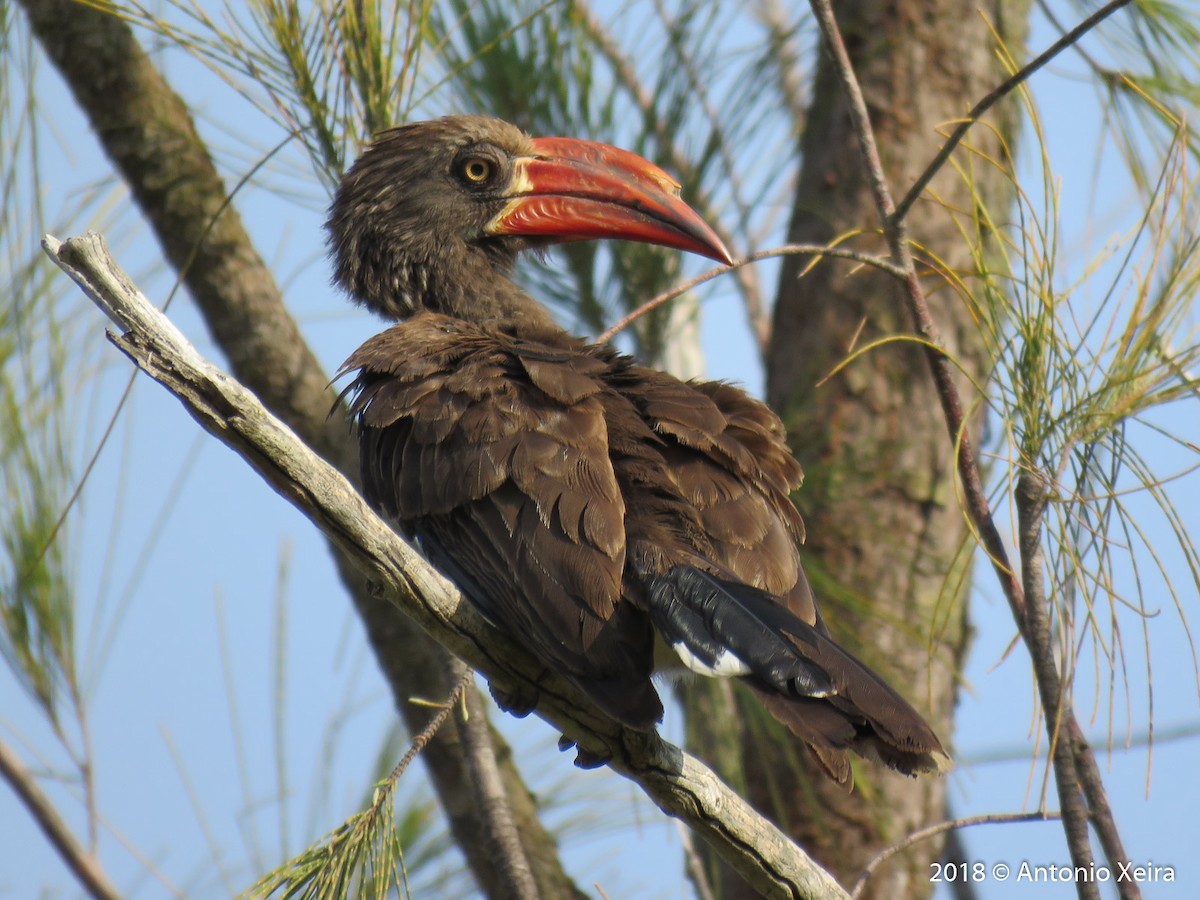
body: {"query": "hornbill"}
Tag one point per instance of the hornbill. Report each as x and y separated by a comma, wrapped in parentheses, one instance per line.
(593, 508)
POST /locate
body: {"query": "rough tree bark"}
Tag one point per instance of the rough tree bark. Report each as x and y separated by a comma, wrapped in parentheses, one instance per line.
(147, 132)
(879, 498)
(884, 529)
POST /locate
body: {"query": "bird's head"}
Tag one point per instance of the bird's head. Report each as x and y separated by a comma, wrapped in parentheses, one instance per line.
(432, 212)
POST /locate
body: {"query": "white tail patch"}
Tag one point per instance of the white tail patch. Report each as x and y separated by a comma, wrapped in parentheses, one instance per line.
(726, 664)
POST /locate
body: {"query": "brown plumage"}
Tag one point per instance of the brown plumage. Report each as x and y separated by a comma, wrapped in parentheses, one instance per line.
(583, 502)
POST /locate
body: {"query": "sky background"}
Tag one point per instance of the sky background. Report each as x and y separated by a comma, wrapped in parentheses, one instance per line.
(207, 600)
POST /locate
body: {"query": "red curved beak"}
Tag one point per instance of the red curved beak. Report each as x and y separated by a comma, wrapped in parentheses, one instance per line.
(572, 190)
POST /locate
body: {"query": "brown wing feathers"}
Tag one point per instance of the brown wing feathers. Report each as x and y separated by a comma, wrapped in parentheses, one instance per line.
(576, 497)
(509, 488)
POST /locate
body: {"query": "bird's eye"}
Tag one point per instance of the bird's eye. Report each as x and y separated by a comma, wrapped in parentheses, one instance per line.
(476, 170)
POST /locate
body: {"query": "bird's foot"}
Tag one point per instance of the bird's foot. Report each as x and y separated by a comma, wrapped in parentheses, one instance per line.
(519, 702)
(584, 759)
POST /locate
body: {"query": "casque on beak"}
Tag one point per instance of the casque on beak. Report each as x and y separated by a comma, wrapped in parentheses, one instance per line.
(573, 190)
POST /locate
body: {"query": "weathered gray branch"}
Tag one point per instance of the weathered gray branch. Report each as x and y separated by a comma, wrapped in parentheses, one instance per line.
(679, 784)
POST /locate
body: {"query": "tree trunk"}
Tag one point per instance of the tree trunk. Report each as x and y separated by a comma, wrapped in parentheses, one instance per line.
(885, 534)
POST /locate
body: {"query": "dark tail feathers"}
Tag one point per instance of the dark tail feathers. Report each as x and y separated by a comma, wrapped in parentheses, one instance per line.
(825, 696)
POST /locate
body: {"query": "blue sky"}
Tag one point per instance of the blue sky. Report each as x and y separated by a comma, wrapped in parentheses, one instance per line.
(182, 547)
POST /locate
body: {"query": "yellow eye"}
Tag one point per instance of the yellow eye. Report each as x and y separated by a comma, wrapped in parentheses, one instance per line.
(477, 169)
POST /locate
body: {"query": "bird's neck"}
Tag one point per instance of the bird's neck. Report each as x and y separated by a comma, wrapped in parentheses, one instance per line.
(464, 283)
(484, 293)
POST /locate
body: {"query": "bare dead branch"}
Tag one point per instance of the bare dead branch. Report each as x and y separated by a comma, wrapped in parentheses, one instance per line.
(679, 784)
(85, 865)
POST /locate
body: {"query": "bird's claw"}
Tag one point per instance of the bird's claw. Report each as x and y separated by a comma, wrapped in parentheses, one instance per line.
(519, 702)
(584, 759)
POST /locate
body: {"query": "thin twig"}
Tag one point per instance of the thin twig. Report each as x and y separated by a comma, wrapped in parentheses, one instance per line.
(786, 250)
(995, 96)
(1047, 11)
(1031, 625)
(85, 866)
(426, 734)
(343, 852)
(922, 834)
